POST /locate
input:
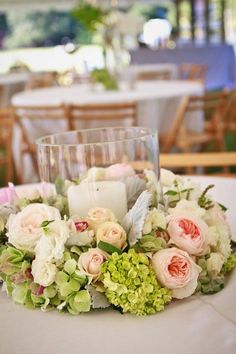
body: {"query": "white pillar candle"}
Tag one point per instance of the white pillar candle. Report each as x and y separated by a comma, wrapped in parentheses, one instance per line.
(106, 194)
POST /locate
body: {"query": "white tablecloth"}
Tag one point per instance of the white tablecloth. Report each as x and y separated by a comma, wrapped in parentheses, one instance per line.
(157, 105)
(200, 324)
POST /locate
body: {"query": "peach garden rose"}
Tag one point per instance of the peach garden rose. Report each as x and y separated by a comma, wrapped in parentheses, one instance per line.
(176, 270)
(188, 232)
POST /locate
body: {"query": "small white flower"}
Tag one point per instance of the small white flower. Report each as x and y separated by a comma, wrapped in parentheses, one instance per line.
(167, 177)
(50, 247)
(44, 273)
(154, 220)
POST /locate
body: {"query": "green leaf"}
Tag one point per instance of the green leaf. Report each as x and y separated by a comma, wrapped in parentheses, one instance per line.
(61, 278)
(45, 223)
(171, 193)
(107, 247)
(222, 207)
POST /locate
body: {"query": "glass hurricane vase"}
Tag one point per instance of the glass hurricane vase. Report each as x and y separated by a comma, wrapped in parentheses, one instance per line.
(110, 167)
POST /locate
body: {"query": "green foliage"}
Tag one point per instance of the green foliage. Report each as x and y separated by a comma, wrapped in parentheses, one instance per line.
(89, 15)
(150, 243)
(103, 77)
(204, 201)
(35, 28)
(130, 284)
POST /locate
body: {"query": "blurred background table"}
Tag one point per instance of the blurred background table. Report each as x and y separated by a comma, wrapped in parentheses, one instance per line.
(157, 102)
(220, 60)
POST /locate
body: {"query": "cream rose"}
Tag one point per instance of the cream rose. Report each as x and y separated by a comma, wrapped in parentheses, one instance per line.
(175, 270)
(50, 246)
(24, 228)
(90, 262)
(112, 233)
(44, 273)
(97, 216)
(189, 233)
(119, 170)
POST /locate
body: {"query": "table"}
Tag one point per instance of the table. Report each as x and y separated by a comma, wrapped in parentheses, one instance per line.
(220, 60)
(200, 324)
(157, 105)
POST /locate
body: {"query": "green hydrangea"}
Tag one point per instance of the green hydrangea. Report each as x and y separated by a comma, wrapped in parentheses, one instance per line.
(130, 284)
(230, 263)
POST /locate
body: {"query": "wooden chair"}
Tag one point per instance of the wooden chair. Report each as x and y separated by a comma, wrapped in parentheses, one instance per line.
(213, 107)
(230, 116)
(120, 113)
(41, 81)
(25, 117)
(6, 127)
(153, 75)
(193, 72)
(205, 159)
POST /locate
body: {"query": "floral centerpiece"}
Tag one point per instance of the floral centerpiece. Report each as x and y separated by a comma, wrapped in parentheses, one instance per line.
(157, 253)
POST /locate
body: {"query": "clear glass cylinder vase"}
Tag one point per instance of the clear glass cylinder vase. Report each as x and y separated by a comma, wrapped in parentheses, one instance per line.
(110, 167)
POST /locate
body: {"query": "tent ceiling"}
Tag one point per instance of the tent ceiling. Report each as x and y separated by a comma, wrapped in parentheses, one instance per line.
(7, 5)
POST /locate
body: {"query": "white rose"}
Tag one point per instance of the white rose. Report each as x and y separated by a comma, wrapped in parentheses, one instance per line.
(154, 220)
(50, 247)
(97, 216)
(90, 262)
(188, 206)
(167, 177)
(215, 263)
(44, 273)
(24, 228)
(112, 233)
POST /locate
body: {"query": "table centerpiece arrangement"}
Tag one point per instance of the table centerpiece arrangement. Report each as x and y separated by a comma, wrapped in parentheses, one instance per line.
(104, 230)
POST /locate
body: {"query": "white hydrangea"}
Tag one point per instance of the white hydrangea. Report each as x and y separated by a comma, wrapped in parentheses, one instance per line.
(215, 263)
(154, 220)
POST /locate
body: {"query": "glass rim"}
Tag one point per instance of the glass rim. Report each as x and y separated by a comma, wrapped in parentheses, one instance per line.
(147, 132)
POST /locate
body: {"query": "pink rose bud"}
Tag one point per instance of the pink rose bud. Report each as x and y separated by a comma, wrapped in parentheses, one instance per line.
(8, 195)
(81, 225)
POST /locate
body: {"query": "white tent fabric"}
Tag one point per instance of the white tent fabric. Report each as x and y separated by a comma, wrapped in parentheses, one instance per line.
(8, 5)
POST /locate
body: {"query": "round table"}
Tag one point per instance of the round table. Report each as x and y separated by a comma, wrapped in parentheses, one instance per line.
(199, 324)
(157, 100)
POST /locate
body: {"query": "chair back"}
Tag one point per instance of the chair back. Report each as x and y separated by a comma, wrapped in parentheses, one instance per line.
(105, 113)
(212, 107)
(154, 75)
(193, 72)
(34, 122)
(6, 127)
(196, 160)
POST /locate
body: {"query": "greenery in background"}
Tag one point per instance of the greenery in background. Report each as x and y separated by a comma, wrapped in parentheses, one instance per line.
(35, 28)
(103, 77)
(89, 16)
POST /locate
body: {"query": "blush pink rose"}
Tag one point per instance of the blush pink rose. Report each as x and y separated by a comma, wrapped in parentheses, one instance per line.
(175, 270)
(189, 233)
(91, 261)
(8, 195)
(119, 170)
